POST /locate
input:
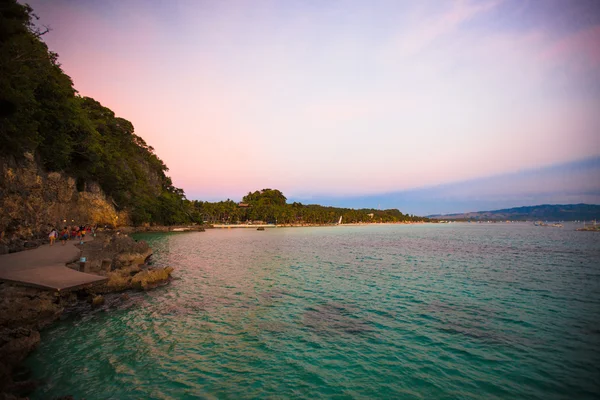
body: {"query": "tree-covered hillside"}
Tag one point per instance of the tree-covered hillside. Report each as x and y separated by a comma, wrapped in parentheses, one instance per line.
(41, 113)
(270, 205)
(544, 212)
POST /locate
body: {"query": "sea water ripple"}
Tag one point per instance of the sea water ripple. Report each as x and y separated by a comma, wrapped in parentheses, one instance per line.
(422, 311)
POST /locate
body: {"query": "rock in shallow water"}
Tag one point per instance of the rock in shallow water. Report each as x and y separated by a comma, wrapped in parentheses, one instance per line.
(135, 278)
(149, 279)
(97, 301)
(15, 345)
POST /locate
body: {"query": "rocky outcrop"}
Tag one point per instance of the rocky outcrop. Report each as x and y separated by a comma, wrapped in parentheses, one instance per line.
(135, 277)
(164, 229)
(123, 261)
(24, 310)
(97, 301)
(151, 278)
(33, 201)
(30, 307)
(112, 251)
(15, 345)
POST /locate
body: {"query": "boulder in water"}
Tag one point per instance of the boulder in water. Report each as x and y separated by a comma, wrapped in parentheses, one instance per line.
(97, 301)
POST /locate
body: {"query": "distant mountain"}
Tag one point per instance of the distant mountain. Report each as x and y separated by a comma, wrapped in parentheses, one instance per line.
(544, 212)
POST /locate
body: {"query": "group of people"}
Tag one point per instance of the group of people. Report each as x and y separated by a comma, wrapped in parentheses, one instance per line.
(72, 232)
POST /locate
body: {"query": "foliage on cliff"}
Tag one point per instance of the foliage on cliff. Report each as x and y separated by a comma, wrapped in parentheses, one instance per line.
(41, 112)
(269, 205)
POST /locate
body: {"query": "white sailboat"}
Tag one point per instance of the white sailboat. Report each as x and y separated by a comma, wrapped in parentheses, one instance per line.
(340, 221)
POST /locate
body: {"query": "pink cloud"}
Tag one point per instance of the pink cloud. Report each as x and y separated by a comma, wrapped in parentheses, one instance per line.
(580, 50)
(429, 31)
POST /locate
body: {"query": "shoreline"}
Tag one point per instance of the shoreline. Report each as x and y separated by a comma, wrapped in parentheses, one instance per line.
(26, 310)
(226, 226)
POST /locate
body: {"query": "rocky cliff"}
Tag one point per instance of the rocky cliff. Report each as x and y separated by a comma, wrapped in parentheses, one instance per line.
(33, 201)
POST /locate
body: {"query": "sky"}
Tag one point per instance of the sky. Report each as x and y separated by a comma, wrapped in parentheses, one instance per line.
(425, 106)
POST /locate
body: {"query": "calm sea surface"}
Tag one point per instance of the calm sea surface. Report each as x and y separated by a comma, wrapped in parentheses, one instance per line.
(470, 311)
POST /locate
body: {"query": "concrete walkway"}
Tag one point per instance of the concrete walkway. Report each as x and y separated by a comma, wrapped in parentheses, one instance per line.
(45, 268)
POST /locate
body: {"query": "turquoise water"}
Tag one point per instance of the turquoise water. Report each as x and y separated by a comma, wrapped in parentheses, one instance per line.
(466, 311)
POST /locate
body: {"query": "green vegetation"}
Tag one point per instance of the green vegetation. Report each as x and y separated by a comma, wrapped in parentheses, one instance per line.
(269, 205)
(40, 112)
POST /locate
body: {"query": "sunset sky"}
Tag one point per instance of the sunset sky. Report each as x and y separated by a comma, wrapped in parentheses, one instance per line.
(426, 106)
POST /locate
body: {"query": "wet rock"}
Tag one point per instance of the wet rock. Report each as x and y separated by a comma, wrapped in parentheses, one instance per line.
(22, 373)
(22, 388)
(149, 279)
(15, 345)
(97, 301)
(9, 396)
(136, 278)
(116, 283)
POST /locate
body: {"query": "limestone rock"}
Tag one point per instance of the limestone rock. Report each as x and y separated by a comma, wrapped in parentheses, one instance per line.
(135, 278)
(97, 301)
(149, 279)
(33, 201)
(113, 252)
(116, 283)
(28, 307)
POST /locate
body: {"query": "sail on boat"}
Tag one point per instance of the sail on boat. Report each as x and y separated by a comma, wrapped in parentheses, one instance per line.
(340, 221)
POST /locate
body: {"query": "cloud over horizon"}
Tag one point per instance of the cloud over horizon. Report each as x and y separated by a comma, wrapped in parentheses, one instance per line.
(341, 98)
(568, 183)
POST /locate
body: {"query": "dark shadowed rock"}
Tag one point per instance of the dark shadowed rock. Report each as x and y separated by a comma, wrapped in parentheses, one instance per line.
(97, 301)
(29, 307)
(15, 345)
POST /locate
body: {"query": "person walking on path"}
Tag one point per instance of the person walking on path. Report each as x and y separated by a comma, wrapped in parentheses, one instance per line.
(64, 235)
(52, 236)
